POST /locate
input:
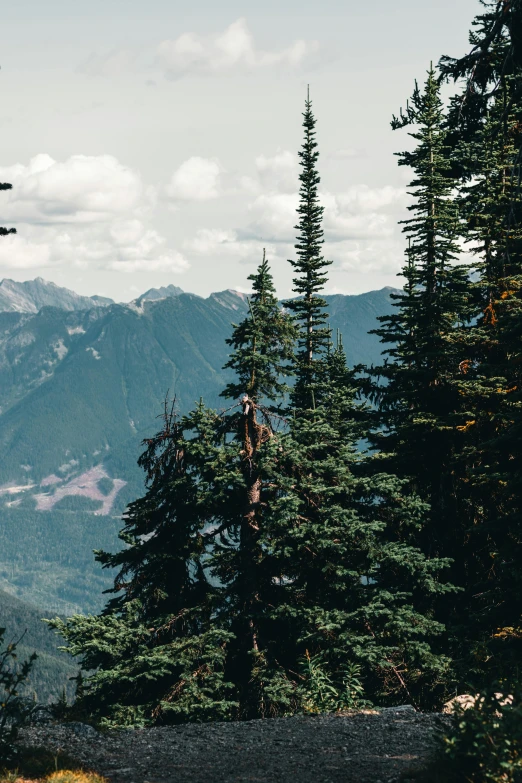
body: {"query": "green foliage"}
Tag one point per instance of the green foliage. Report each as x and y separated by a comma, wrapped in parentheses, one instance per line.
(310, 267)
(484, 744)
(14, 710)
(105, 485)
(256, 545)
(52, 670)
(355, 588)
(77, 503)
(46, 557)
(319, 692)
(262, 344)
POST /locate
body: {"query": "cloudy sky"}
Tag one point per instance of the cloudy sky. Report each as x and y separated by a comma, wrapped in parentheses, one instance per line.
(154, 141)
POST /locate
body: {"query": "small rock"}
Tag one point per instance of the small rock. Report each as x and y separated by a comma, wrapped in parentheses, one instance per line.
(83, 729)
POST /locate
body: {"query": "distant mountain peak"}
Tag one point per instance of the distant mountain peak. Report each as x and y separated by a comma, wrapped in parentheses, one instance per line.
(155, 294)
(234, 300)
(31, 295)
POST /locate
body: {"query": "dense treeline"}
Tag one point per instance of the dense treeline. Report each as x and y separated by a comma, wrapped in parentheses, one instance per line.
(272, 566)
(52, 671)
(46, 557)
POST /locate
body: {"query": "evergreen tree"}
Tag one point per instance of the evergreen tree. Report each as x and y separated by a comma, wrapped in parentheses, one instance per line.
(357, 593)
(422, 413)
(185, 636)
(340, 528)
(154, 653)
(310, 267)
(486, 123)
(262, 345)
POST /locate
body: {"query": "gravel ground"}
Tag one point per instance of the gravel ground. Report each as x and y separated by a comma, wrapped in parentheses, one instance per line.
(363, 747)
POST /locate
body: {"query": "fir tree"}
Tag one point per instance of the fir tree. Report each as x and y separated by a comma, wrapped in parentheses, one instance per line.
(154, 654)
(422, 411)
(357, 591)
(185, 636)
(340, 528)
(262, 345)
(310, 268)
(486, 123)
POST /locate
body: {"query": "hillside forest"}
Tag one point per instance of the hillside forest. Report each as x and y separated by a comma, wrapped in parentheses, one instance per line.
(334, 535)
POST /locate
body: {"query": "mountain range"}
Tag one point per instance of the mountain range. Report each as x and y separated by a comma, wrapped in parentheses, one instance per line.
(82, 382)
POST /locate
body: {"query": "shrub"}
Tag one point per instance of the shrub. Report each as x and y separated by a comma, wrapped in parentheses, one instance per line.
(322, 692)
(484, 742)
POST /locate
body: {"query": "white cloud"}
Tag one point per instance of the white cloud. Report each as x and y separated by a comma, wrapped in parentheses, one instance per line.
(197, 179)
(279, 172)
(367, 256)
(348, 153)
(82, 189)
(172, 262)
(219, 244)
(191, 53)
(274, 216)
(354, 214)
(18, 253)
(86, 212)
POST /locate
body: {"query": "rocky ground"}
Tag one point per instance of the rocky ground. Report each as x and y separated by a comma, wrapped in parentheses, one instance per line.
(367, 747)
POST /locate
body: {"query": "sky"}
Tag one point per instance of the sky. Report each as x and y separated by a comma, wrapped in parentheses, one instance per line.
(150, 143)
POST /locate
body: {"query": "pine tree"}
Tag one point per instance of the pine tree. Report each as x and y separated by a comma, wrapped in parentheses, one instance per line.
(262, 345)
(310, 267)
(340, 528)
(357, 593)
(185, 636)
(486, 123)
(422, 413)
(154, 653)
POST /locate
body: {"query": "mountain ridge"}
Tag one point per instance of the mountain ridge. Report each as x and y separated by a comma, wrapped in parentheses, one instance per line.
(30, 296)
(79, 392)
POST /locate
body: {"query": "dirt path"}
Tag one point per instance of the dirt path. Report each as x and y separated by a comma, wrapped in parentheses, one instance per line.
(359, 748)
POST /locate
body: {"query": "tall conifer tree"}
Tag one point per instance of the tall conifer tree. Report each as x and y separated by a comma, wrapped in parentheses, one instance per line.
(188, 635)
(486, 121)
(357, 592)
(341, 529)
(310, 268)
(421, 408)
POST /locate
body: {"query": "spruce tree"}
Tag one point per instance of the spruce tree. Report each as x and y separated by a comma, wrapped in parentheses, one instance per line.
(486, 123)
(186, 635)
(357, 595)
(357, 592)
(310, 268)
(262, 346)
(154, 654)
(422, 413)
